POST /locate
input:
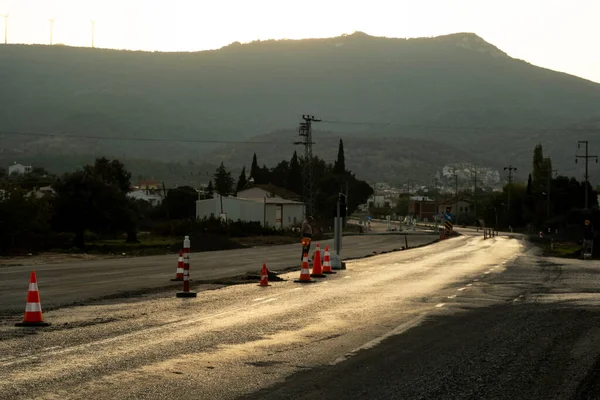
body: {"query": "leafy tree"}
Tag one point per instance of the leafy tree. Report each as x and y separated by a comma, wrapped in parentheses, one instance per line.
(210, 190)
(539, 166)
(223, 181)
(294, 179)
(24, 220)
(85, 201)
(254, 169)
(340, 164)
(241, 183)
(181, 202)
(112, 172)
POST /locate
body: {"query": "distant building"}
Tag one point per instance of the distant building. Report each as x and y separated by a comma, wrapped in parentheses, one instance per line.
(41, 192)
(422, 207)
(19, 169)
(150, 184)
(154, 197)
(273, 212)
(269, 191)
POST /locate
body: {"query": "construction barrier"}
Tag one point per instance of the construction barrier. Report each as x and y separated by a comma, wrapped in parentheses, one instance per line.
(305, 272)
(186, 270)
(327, 262)
(264, 276)
(317, 271)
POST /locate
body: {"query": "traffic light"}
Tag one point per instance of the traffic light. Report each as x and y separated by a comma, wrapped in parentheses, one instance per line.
(448, 209)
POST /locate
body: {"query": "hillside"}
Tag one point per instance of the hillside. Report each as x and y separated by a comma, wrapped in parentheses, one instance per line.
(490, 106)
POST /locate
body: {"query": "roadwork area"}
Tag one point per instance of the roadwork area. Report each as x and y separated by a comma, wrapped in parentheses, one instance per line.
(244, 340)
(76, 283)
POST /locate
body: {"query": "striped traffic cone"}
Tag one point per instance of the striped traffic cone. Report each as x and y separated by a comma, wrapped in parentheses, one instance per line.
(264, 276)
(33, 308)
(305, 272)
(317, 271)
(179, 272)
(327, 262)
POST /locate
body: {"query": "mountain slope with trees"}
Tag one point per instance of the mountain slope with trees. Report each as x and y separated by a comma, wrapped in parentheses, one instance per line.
(457, 90)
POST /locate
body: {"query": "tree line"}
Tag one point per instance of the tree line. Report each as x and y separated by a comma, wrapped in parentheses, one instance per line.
(95, 199)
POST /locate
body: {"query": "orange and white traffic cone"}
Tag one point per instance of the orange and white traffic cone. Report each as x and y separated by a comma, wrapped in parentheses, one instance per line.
(317, 271)
(179, 272)
(33, 308)
(327, 262)
(264, 276)
(305, 272)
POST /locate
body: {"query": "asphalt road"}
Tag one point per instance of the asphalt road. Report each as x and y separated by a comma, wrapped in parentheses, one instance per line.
(78, 282)
(451, 303)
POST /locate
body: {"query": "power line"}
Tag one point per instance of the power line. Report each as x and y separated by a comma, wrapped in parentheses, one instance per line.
(137, 139)
(462, 128)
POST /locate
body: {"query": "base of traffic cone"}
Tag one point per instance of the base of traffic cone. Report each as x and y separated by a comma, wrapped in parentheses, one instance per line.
(329, 272)
(318, 276)
(176, 280)
(186, 294)
(305, 281)
(263, 285)
(25, 324)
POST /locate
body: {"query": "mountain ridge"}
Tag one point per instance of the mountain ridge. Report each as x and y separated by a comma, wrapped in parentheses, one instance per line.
(241, 91)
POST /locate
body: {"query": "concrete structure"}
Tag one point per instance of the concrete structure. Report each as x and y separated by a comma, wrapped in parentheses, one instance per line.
(19, 169)
(154, 197)
(269, 212)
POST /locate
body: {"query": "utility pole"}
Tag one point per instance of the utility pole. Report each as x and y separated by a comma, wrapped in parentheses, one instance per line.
(5, 28)
(510, 170)
(306, 132)
(93, 32)
(475, 190)
(587, 157)
(455, 193)
(51, 30)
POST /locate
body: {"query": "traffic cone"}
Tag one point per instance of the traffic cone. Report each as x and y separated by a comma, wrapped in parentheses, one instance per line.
(305, 272)
(179, 273)
(327, 262)
(317, 271)
(33, 308)
(264, 276)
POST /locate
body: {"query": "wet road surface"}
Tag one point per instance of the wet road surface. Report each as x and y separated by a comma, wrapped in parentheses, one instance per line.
(77, 282)
(242, 339)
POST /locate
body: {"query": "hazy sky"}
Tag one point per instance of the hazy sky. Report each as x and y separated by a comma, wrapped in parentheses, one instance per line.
(561, 35)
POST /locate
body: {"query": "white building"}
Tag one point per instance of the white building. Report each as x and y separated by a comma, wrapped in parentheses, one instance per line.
(270, 212)
(19, 169)
(152, 197)
(269, 191)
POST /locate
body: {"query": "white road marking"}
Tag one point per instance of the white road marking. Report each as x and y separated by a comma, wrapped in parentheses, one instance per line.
(461, 289)
(451, 297)
(487, 272)
(469, 284)
(475, 280)
(346, 277)
(269, 300)
(259, 299)
(369, 345)
(440, 305)
(298, 288)
(51, 348)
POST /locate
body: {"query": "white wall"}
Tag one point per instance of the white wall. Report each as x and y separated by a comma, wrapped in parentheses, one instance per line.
(235, 208)
(289, 212)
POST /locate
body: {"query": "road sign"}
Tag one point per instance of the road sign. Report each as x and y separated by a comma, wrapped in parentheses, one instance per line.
(448, 226)
(587, 221)
(448, 216)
